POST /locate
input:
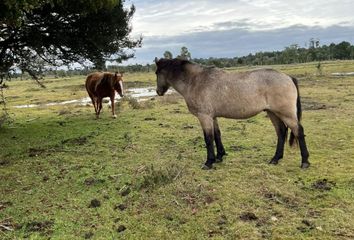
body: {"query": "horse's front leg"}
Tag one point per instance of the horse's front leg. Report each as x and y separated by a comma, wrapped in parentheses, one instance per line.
(112, 104)
(219, 146)
(208, 130)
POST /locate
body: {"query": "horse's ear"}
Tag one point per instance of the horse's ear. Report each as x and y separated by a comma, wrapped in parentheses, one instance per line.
(156, 60)
(115, 74)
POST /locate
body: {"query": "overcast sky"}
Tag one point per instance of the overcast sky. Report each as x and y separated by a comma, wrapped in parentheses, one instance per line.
(230, 28)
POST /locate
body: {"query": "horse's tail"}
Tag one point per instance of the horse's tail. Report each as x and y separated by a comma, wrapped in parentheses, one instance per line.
(298, 112)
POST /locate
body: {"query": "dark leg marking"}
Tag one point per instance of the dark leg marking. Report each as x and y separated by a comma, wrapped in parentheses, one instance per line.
(303, 148)
(279, 152)
(219, 146)
(209, 143)
(281, 130)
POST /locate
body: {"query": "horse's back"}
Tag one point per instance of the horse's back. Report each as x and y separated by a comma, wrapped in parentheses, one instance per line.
(260, 81)
(242, 95)
(92, 81)
(273, 82)
(277, 89)
(92, 78)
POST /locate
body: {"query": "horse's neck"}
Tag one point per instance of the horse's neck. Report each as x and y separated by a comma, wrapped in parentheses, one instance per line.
(180, 85)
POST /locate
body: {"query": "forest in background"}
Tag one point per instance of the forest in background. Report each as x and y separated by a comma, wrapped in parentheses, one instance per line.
(314, 52)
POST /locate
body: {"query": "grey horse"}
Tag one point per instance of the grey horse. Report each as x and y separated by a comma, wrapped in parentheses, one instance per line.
(211, 93)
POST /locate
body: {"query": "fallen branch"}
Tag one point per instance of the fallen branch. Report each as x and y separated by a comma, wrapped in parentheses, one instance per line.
(32, 119)
(7, 228)
(6, 225)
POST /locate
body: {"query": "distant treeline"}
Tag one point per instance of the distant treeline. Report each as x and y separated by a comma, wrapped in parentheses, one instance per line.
(291, 54)
(85, 71)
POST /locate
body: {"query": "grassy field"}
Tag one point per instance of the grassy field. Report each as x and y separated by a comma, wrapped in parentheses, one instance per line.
(66, 175)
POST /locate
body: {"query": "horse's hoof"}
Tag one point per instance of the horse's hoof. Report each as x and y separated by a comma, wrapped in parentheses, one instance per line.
(219, 157)
(305, 165)
(114, 116)
(219, 160)
(274, 161)
(207, 167)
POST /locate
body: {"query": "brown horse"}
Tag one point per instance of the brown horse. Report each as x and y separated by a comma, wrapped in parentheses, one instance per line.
(103, 84)
(211, 93)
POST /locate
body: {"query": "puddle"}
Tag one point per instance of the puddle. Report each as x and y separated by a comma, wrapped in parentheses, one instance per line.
(27, 106)
(141, 94)
(343, 74)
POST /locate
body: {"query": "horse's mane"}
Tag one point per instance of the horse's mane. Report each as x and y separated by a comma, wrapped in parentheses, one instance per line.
(172, 64)
(177, 66)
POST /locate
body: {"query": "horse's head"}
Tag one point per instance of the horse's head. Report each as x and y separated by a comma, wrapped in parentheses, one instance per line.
(161, 75)
(168, 71)
(118, 83)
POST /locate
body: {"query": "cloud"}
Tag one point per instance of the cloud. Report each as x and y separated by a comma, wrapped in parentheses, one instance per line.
(175, 17)
(228, 28)
(239, 41)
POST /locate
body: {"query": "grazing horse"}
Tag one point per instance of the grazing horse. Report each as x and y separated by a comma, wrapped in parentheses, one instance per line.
(103, 84)
(211, 92)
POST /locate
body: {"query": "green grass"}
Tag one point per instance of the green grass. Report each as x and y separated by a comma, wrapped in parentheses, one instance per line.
(143, 168)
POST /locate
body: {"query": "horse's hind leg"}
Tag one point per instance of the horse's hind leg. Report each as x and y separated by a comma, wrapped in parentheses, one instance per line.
(99, 106)
(303, 148)
(298, 132)
(93, 102)
(281, 131)
(208, 130)
(219, 146)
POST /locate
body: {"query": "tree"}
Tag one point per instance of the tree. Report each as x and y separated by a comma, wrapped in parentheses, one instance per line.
(313, 51)
(342, 50)
(314, 43)
(185, 54)
(167, 55)
(56, 32)
(290, 54)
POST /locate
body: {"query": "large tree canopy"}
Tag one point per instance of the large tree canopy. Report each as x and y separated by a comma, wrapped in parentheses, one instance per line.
(33, 32)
